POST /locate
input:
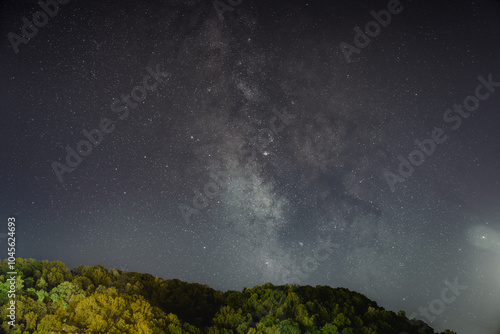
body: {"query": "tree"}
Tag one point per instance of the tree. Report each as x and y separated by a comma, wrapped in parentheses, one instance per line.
(289, 327)
(41, 283)
(50, 324)
(31, 319)
(329, 329)
(341, 321)
(64, 292)
(128, 302)
(41, 294)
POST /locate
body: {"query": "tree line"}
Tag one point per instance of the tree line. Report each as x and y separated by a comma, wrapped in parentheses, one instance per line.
(51, 298)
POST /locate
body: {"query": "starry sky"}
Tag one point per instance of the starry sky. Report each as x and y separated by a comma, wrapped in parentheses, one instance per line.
(234, 143)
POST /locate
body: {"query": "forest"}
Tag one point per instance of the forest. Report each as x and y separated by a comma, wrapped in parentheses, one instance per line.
(51, 298)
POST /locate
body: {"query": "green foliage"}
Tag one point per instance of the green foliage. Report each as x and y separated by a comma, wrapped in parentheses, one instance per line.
(329, 329)
(65, 291)
(41, 294)
(51, 298)
(289, 326)
(41, 284)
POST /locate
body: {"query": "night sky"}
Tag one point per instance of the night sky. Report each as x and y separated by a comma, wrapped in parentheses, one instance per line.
(260, 142)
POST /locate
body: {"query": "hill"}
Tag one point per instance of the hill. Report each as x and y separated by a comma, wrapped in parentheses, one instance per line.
(51, 298)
